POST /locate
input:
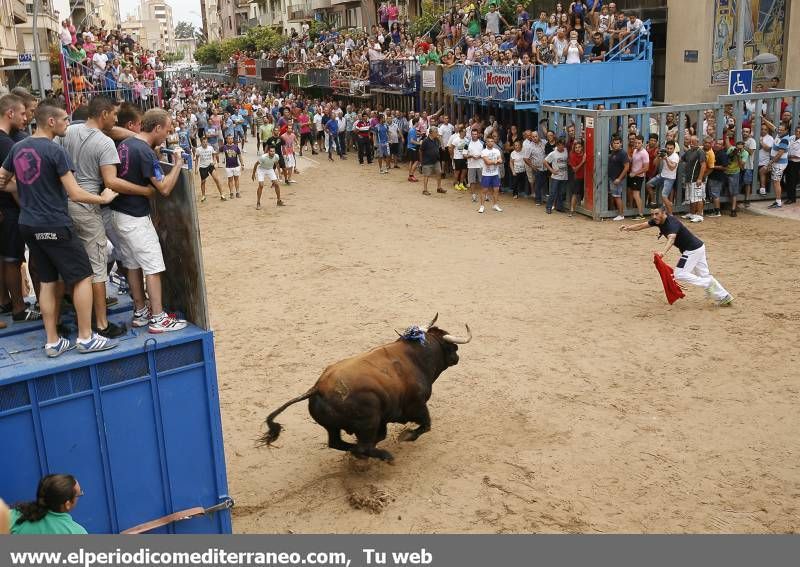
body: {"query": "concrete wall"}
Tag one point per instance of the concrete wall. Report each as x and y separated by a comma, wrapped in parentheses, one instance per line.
(691, 27)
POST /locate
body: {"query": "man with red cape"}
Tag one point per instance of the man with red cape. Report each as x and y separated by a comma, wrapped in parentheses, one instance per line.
(692, 267)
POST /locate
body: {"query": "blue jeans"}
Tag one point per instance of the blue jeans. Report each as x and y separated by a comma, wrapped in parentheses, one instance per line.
(540, 178)
(558, 188)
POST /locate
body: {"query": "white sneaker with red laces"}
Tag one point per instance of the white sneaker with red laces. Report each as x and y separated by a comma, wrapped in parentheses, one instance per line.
(164, 323)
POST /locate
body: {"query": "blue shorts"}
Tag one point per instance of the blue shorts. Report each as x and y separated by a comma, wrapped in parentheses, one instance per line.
(666, 185)
(382, 150)
(490, 181)
(714, 187)
(617, 189)
(747, 177)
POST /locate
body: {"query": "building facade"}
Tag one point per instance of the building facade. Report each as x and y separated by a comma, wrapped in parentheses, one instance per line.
(109, 13)
(211, 10)
(187, 47)
(234, 18)
(12, 13)
(146, 32)
(700, 46)
(162, 12)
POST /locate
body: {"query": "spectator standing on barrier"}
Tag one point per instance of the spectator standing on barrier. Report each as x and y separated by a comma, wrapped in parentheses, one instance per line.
(205, 165)
(233, 165)
(618, 166)
(695, 167)
(778, 162)
(44, 180)
(139, 247)
(666, 166)
(265, 169)
(56, 496)
(692, 267)
(12, 245)
(492, 158)
(557, 163)
(474, 162)
(95, 158)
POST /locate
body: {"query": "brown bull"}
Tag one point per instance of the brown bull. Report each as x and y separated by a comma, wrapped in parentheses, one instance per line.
(389, 384)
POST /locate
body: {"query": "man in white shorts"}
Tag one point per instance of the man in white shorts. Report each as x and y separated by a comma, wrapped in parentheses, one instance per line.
(694, 181)
(205, 165)
(265, 169)
(138, 245)
(474, 162)
(233, 165)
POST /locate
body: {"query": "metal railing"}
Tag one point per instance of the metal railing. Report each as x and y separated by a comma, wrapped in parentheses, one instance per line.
(634, 46)
(145, 94)
(597, 127)
(401, 75)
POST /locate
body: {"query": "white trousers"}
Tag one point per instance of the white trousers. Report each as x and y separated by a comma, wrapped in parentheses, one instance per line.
(692, 268)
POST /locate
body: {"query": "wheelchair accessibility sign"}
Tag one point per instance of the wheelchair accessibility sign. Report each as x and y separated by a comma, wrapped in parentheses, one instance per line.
(740, 81)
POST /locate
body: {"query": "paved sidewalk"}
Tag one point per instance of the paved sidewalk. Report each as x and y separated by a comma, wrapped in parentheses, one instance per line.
(786, 211)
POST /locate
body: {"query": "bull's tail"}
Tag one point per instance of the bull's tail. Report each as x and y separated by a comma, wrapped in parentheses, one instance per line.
(274, 428)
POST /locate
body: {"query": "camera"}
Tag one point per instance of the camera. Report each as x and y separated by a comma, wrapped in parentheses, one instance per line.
(662, 152)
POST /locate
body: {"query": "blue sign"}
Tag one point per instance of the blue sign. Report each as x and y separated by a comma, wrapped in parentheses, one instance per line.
(25, 57)
(740, 81)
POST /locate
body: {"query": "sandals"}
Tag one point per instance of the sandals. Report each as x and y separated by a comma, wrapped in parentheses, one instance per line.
(441, 190)
(426, 192)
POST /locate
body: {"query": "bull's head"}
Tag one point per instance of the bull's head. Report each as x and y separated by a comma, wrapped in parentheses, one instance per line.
(448, 342)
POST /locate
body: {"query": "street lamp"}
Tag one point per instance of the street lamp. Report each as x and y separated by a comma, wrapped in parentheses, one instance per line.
(763, 59)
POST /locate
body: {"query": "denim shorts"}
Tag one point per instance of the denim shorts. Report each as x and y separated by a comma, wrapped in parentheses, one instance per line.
(734, 184)
(714, 187)
(747, 177)
(665, 184)
(617, 189)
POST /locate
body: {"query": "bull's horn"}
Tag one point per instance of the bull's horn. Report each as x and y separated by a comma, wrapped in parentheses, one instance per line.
(399, 334)
(429, 325)
(459, 340)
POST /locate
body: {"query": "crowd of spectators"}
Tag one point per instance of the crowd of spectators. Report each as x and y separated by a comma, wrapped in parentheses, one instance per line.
(108, 61)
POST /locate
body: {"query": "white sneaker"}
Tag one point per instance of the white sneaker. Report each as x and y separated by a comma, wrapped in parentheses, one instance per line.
(481, 209)
(688, 216)
(697, 218)
(497, 208)
(474, 198)
(762, 191)
(619, 218)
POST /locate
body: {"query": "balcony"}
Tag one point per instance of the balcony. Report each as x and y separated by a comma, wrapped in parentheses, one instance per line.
(320, 4)
(299, 12)
(19, 12)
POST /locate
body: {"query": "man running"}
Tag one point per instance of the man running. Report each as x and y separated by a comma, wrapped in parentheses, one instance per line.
(265, 168)
(692, 266)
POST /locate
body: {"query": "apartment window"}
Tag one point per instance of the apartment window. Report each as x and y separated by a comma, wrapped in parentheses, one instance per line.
(230, 23)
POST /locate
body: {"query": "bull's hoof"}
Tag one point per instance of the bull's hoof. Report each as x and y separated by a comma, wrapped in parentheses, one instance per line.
(408, 435)
(384, 456)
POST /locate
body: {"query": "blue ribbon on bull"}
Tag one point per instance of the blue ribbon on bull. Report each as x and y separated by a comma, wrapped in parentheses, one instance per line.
(414, 333)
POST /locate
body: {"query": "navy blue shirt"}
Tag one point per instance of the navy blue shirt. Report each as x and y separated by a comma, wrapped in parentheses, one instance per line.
(616, 163)
(138, 163)
(6, 143)
(38, 164)
(684, 239)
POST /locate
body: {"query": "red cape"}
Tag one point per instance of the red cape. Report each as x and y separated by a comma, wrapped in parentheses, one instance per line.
(671, 287)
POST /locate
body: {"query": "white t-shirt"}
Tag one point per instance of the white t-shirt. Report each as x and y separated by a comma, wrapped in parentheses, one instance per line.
(750, 145)
(560, 162)
(493, 154)
(205, 156)
(100, 60)
(474, 150)
(668, 173)
(458, 144)
(763, 155)
(446, 131)
(517, 161)
(318, 122)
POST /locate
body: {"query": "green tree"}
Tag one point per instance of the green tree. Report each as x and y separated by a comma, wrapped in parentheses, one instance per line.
(428, 19)
(184, 30)
(263, 38)
(208, 54)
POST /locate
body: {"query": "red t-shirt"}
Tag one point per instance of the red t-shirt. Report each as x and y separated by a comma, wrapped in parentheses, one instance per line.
(651, 170)
(574, 159)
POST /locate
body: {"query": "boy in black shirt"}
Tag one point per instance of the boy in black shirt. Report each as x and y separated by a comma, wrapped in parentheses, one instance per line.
(692, 266)
(44, 180)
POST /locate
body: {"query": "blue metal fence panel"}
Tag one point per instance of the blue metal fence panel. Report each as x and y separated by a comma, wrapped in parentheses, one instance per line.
(610, 80)
(139, 426)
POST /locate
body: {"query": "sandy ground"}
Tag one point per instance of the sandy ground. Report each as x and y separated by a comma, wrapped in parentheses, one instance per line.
(585, 403)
